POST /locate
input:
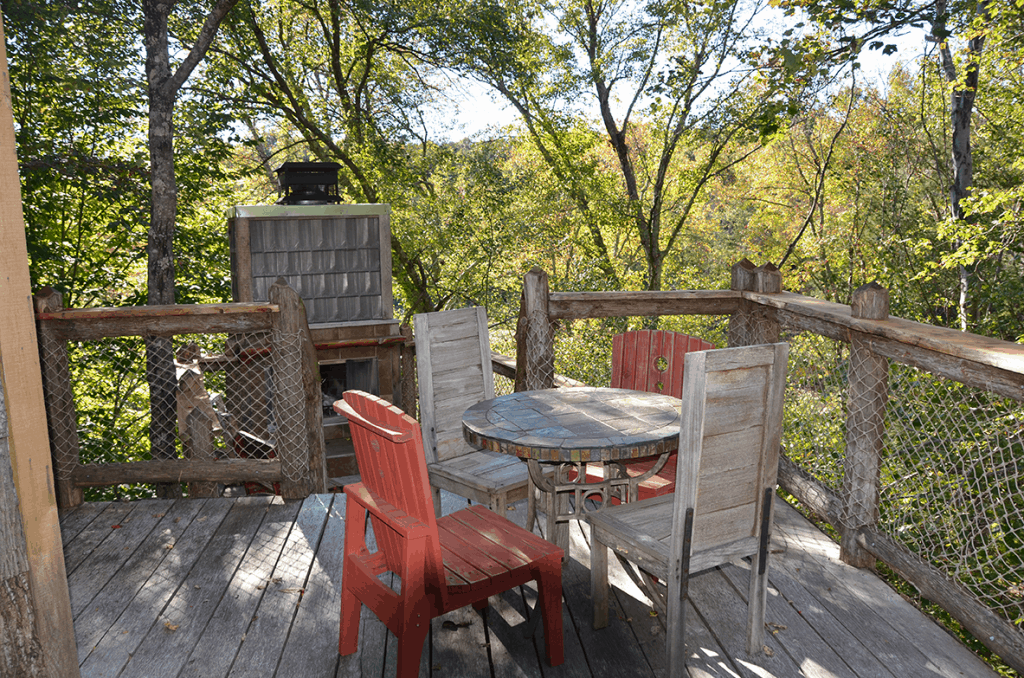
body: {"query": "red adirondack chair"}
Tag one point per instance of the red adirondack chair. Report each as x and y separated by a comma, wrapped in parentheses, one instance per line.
(651, 361)
(444, 563)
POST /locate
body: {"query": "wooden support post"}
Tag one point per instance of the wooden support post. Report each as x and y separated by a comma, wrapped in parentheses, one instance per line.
(60, 403)
(22, 654)
(37, 638)
(289, 392)
(765, 327)
(199, 446)
(534, 337)
(865, 427)
(741, 322)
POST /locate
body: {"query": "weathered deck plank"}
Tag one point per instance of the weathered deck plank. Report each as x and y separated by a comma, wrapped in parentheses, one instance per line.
(224, 601)
(309, 651)
(74, 520)
(114, 598)
(251, 583)
(180, 624)
(266, 636)
(118, 643)
(109, 557)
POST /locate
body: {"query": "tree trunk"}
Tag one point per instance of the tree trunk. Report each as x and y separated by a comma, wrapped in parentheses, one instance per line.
(160, 246)
(163, 86)
(961, 109)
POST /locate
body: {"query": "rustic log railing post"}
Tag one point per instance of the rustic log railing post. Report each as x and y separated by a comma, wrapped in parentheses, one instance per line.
(865, 427)
(289, 397)
(741, 321)
(199, 445)
(535, 347)
(60, 402)
(765, 326)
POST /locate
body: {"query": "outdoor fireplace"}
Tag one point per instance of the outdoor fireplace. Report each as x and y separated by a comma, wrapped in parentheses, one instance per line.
(338, 259)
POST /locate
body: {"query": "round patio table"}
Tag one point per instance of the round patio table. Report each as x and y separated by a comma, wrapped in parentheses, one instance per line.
(569, 428)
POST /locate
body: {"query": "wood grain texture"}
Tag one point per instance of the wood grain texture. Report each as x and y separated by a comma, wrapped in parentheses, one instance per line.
(21, 381)
(104, 609)
(86, 324)
(175, 632)
(818, 609)
(121, 640)
(178, 470)
(284, 594)
(574, 305)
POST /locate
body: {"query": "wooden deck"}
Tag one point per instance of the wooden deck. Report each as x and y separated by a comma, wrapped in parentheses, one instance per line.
(250, 587)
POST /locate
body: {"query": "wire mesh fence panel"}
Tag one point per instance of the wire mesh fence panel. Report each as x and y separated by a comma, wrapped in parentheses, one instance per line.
(503, 385)
(951, 483)
(814, 416)
(225, 402)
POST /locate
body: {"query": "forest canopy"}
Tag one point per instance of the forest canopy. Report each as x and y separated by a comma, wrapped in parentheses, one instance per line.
(654, 144)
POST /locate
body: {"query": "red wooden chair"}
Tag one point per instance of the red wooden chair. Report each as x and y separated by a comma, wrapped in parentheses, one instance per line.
(444, 563)
(651, 361)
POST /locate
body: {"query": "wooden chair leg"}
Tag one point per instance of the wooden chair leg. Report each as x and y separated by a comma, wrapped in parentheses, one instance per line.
(348, 634)
(599, 581)
(757, 601)
(549, 591)
(675, 627)
(436, 491)
(410, 650)
(531, 505)
(499, 504)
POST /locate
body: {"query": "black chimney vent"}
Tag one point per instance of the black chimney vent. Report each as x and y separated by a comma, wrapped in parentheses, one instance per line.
(308, 183)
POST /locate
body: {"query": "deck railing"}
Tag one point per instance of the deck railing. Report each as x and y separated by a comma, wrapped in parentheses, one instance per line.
(241, 404)
(907, 438)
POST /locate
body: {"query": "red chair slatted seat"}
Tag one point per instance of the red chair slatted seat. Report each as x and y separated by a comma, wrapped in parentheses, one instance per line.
(443, 563)
(651, 361)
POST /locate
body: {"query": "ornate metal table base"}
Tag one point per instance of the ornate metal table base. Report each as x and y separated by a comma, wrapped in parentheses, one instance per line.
(566, 491)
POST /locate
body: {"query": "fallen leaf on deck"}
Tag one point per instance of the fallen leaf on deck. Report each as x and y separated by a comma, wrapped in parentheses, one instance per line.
(170, 626)
(115, 527)
(768, 651)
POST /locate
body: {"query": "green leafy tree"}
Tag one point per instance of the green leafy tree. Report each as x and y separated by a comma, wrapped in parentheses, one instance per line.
(677, 91)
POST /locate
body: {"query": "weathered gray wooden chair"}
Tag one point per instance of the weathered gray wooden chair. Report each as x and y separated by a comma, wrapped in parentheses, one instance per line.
(453, 364)
(722, 507)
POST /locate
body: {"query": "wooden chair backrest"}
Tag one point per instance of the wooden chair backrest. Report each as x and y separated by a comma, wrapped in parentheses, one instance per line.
(652, 360)
(453, 365)
(729, 441)
(389, 451)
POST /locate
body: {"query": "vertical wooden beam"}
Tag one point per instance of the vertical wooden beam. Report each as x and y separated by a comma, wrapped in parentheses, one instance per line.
(22, 654)
(27, 446)
(537, 339)
(865, 428)
(199, 445)
(765, 326)
(290, 392)
(61, 416)
(741, 322)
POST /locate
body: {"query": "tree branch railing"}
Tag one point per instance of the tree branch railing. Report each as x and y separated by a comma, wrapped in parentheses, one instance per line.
(892, 399)
(270, 406)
